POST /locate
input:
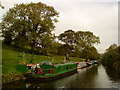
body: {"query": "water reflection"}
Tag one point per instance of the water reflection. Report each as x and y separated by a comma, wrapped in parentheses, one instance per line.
(91, 77)
(86, 77)
(113, 74)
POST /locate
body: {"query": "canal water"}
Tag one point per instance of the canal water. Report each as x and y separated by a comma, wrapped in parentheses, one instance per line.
(91, 77)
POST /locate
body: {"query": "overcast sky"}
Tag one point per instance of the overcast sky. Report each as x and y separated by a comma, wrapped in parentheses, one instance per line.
(97, 16)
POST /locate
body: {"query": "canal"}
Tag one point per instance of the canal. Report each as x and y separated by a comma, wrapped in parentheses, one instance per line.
(91, 77)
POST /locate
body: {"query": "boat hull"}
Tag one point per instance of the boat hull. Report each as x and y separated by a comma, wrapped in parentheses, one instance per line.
(44, 79)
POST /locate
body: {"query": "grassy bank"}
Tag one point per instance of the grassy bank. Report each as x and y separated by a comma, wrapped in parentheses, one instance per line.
(11, 58)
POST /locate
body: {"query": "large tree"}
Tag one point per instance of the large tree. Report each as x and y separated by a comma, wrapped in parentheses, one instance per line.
(29, 24)
(79, 41)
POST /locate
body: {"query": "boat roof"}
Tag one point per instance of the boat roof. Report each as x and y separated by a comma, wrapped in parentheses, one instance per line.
(64, 64)
(30, 64)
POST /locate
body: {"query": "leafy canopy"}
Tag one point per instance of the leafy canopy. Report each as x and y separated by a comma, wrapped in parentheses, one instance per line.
(29, 23)
(80, 42)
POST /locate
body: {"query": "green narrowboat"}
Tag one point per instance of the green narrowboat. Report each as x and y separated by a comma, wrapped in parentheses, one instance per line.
(48, 71)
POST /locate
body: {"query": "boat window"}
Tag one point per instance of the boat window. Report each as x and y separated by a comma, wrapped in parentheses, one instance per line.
(28, 67)
(67, 68)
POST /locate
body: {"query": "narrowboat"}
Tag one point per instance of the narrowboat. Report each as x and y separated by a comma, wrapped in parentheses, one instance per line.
(81, 65)
(47, 71)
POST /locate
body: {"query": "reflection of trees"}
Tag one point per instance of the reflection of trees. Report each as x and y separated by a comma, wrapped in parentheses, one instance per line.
(113, 74)
(38, 84)
(92, 71)
(28, 85)
(14, 84)
(86, 77)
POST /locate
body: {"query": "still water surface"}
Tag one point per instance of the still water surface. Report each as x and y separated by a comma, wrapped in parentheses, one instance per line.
(90, 77)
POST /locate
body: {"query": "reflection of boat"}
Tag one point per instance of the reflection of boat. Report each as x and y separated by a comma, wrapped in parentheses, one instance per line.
(48, 71)
(93, 62)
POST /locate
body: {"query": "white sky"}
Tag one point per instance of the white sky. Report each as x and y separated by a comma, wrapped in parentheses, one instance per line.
(97, 16)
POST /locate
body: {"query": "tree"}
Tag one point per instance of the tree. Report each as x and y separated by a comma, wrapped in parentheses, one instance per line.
(27, 24)
(64, 49)
(86, 38)
(80, 41)
(112, 47)
(90, 52)
(68, 37)
(48, 45)
(111, 58)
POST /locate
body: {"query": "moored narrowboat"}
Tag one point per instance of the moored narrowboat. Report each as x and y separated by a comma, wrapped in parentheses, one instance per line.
(49, 71)
(81, 65)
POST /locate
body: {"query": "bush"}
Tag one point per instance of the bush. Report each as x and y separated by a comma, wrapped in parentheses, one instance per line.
(111, 59)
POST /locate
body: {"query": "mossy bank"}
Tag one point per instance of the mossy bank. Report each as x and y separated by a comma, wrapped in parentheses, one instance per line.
(12, 77)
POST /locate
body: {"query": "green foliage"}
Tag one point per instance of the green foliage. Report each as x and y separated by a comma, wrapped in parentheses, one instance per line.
(111, 58)
(68, 37)
(86, 38)
(29, 23)
(64, 49)
(90, 52)
(79, 44)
